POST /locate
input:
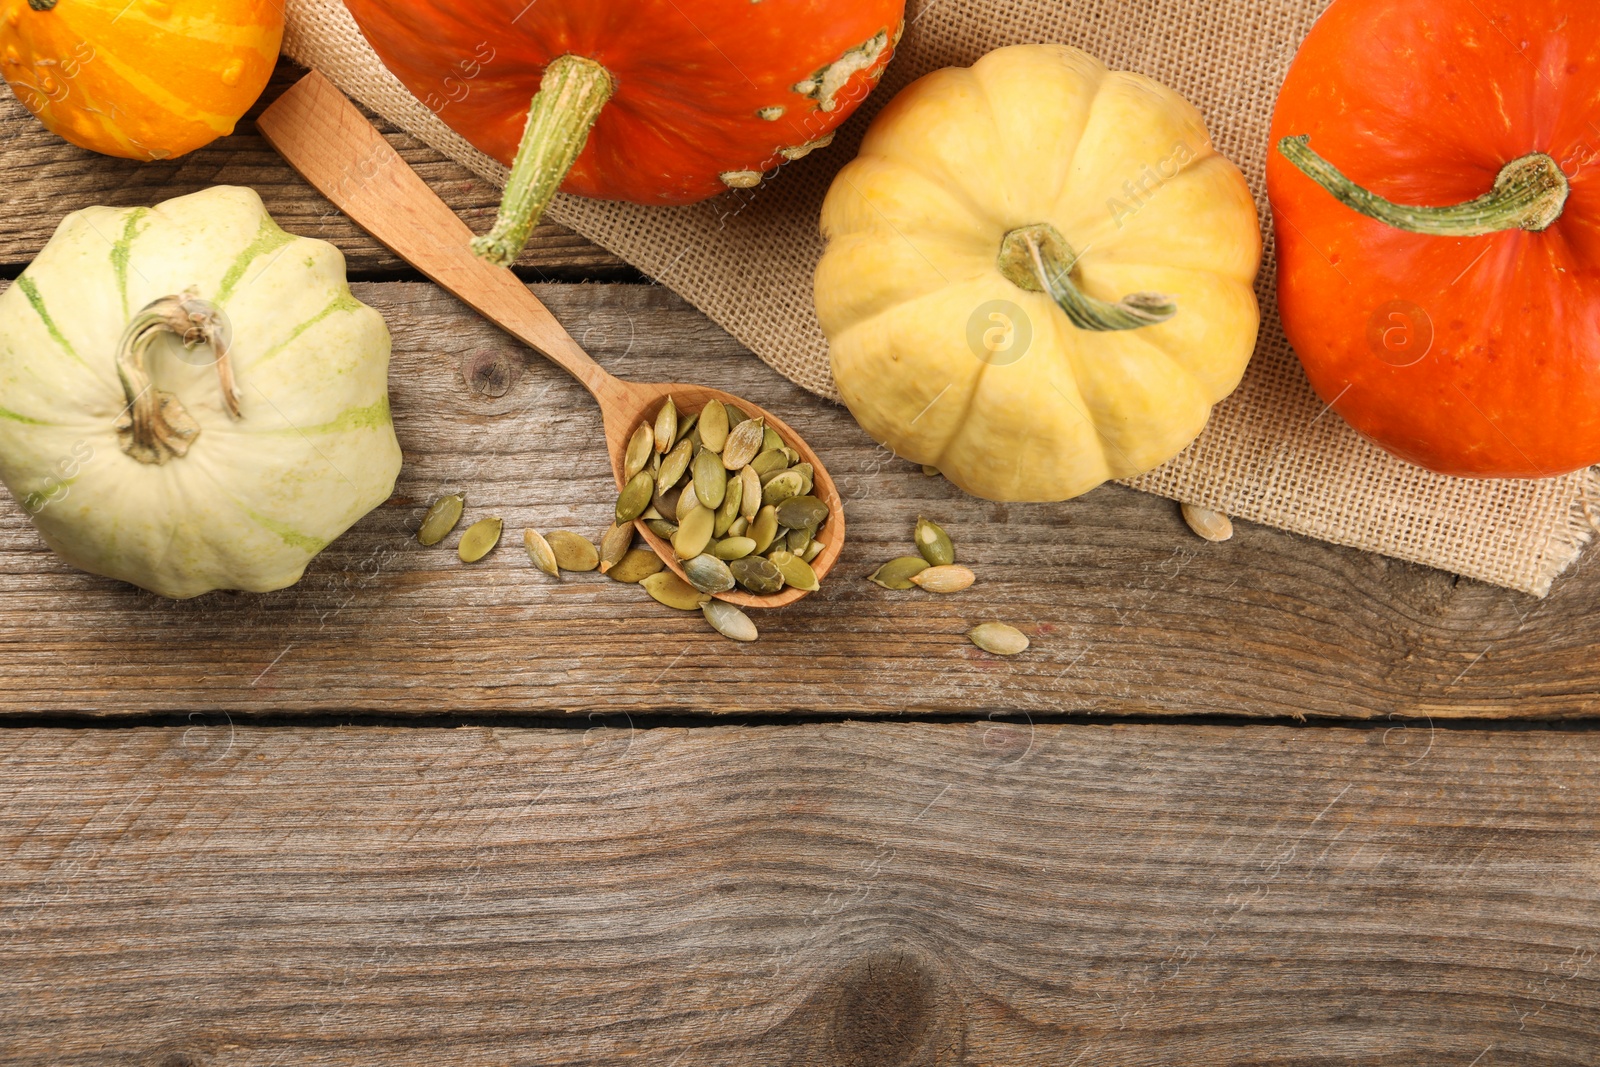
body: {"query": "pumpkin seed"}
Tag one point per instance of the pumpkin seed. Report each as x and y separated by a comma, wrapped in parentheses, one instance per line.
(732, 548)
(574, 552)
(539, 552)
(798, 512)
(781, 488)
(813, 550)
(732, 495)
(714, 425)
(798, 540)
(667, 588)
(944, 579)
(635, 497)
(665, 501)
(708, 574)
(749, 494)
(441, 518)
(794, 457)
(674, 464)
(662, 528)
(694, 533)
(729, 621)
(764, 530)
(479, 540)
(796, 571)
(998, 638)
(807, 475)
(687, 425)
(1212, 525)
(934, 544)
(897, 573)
(735, 416)
(768, 463)
(641, 446)
(743, 443)
(710, 478)
(614, 545)
(637, 565)
(666, 428)
(687, 501)
(757, 574)
(930, 470)
(690, 438)
(770, 441)
(739, 527)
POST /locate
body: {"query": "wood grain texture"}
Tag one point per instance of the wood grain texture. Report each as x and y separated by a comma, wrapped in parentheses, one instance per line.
(826, 896)
(43, 178)
(1129, 612)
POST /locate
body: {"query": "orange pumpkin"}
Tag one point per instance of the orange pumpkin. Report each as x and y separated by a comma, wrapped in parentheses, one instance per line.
(143, 79)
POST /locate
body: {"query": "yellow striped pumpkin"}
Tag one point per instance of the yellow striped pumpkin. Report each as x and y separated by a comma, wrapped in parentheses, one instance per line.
(144, 79)
(190, 397)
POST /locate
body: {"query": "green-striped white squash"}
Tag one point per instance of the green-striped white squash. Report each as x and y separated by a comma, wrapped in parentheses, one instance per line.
(237, 502)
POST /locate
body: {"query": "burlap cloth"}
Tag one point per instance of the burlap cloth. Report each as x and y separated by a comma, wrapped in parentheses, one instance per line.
(1271, 453)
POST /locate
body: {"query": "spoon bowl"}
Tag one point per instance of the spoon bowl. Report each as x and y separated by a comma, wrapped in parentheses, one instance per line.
(333, 146)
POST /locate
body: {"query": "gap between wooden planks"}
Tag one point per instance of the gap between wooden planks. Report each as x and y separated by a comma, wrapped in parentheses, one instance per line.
(1129, 612)
(838, 895)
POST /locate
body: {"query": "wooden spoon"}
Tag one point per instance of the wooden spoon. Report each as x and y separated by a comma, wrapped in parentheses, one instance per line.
(332, 144)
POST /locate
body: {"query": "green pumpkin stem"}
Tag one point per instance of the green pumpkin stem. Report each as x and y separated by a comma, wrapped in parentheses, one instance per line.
(570, 98)
(1528, 194)
(154, 427)
(1037, 258)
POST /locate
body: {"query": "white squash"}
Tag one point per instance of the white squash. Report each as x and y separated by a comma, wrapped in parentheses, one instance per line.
(226, 462)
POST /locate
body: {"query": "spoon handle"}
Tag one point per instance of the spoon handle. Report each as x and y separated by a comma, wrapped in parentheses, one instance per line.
(333, 146)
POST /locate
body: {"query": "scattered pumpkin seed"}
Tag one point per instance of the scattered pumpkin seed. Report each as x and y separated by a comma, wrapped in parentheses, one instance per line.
(574, 552)
(799, 512)
(442, 517)
(641, 446)
(674, 464)
(666, 428)
(749, 494)
(897, 573)
(729, 621)
(769, 463)
(614, 545)
(934, 544)
(708, 574)
(635, 497)
(662, 528)
(714, 426)
(732, 496)
(667, 588)
(635, 566)
(764, 530)
(998, 638)
(757, 574)
(1212, 525)
(694, 533)
(739, 527)
(796, 571)
(743, 443)
(479, 540)
(540, 553)
(710, 478)
(688, 500)
(732, 548)
(944, 579)
(781, 488)
(930, 470)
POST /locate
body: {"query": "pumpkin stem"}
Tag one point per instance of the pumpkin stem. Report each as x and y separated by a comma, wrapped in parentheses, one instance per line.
(154, 427)
(1528, 194)
(1037, 258)
(570, 97)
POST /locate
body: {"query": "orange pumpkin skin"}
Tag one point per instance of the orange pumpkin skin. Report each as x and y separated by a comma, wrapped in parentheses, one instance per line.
(1474, 356)
(147, 79)
(693, 79)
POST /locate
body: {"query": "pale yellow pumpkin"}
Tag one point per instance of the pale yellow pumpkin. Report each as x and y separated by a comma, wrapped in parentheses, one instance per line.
(974, 190)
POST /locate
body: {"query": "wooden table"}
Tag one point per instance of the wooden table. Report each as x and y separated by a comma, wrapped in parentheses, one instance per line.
(1263, 802)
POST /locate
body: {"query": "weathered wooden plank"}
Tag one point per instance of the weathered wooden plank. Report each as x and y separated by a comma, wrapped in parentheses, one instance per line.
(1128, 611)
(848, 895)
(42, 178)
